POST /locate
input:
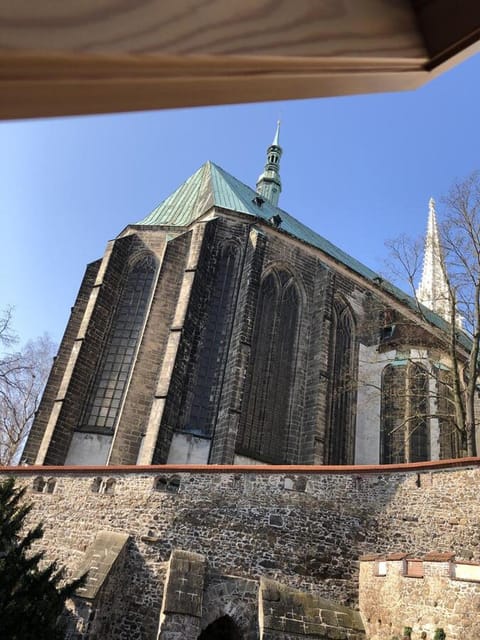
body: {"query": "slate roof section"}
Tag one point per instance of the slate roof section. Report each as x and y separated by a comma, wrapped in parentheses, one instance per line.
(212, 186)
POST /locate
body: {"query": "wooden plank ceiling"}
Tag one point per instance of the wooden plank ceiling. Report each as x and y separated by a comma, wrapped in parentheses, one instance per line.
(98, 56)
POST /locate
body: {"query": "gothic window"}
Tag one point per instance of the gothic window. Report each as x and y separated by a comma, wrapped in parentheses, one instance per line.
(450, 442)
(109, 386)
(405, 432)
(266, 412)
(214, 346)
(341, 432)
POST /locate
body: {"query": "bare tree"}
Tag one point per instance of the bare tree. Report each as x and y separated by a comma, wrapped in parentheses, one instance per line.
(23, 374)
(460, 242)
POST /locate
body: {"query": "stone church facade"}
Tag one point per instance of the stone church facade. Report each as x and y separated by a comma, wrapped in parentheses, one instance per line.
(221, 330)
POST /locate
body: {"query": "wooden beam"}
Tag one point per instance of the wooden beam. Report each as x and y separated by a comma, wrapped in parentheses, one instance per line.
(67, 85)
(285, 28)
(448, 27)
(102, 56)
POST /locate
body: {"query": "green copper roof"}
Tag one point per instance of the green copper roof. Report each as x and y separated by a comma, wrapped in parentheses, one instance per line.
(211, 186)
(184, 205)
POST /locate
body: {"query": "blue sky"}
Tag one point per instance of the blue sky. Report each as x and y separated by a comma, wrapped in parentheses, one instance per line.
(358, 170)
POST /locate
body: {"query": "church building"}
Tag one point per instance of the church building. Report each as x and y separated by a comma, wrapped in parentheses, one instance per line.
(221, 330)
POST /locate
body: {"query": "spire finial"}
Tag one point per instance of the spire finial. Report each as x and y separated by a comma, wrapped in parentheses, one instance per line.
(433, 290)
(269, 184)
(276, 138)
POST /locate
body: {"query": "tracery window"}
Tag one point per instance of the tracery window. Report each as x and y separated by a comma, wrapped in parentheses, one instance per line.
(110, 382)
(214, 346)
(405, 424)
(343, 363)
(266, 412)
(450, 441)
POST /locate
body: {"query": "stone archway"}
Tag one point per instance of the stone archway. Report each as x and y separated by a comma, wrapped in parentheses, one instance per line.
(223, 628)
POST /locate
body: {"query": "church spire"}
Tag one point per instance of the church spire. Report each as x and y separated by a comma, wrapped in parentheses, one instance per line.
(269, 184)
(433, 290)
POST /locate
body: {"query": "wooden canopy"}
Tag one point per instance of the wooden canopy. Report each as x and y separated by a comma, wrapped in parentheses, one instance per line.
(99, 56)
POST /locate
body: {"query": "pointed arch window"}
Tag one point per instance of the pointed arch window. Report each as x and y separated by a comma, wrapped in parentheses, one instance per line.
(405, 429)
(449, 437)
(343, 363)
(214, 345)
(106, 395)
(266, 412)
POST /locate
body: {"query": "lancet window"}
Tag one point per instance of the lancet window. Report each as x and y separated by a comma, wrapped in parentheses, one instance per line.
(450, 441)
(266, 411)
(405, 409)
(110, 382)
(343, 367)
(214, 345)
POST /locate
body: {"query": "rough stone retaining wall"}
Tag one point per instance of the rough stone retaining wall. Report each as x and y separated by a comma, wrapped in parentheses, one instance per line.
(395, 598)
(305, 527)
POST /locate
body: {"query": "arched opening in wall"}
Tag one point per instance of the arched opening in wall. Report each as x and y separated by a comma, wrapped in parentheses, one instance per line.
(405, 409)
(110, 487)
(96, 485)
(266, 412)
(160, 483)
(38, 484)
(167, 484)
(204, 397)
(173, 485)
(223, 628)
(343, 358)
(50, 486)
(105, 398)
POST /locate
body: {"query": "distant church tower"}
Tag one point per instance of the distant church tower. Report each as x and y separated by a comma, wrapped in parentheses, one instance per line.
(268, 184)
(433, 290)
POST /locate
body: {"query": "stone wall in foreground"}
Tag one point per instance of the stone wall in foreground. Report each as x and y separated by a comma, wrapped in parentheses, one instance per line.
(304, 527)
(424, 594)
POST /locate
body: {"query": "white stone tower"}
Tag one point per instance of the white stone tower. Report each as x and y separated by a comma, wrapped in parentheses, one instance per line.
(433, 289)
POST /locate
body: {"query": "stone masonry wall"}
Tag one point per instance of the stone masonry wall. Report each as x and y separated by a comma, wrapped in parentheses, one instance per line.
(435, 599)
(304, 527)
